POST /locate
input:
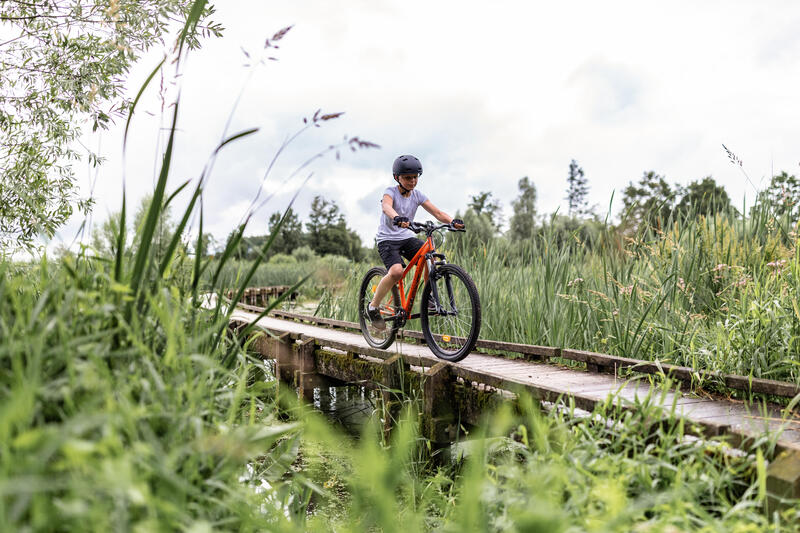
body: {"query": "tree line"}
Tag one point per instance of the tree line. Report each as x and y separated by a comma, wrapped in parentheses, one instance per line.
(325, 233)
(649, 202)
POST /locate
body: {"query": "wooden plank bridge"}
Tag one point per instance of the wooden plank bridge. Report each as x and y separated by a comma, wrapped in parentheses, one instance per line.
(311, 352)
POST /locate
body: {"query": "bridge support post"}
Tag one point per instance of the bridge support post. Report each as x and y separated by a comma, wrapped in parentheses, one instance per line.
(438, 419)
(306, 374)
(783, 480)
(281, 350)
(392, 394)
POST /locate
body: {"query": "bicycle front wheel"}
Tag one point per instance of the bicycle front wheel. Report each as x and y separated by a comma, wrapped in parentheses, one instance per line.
(452, 329)
(375, 337)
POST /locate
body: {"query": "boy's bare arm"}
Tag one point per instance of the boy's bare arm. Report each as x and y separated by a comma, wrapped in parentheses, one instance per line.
(437, 213)
(387, 205)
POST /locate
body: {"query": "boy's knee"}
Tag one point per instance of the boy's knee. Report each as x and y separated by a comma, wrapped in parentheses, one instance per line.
(396, 271)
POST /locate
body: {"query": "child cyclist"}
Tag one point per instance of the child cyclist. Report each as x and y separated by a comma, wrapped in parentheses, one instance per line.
(399, 204)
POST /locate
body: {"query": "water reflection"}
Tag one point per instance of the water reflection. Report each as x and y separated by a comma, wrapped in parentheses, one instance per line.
(350, 406)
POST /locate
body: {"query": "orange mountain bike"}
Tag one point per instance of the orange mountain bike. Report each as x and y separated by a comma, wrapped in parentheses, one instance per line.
(450, 310)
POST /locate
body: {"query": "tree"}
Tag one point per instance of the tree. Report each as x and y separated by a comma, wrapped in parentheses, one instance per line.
(703, 198)
(165, 228)
(483, 204)
(649, 202)
(577, 191)
(523, 220)
(480, 232)
(65, 64)
(328, 232)
(290, 237)
(561, 232)
(783, 194)
(104, 237)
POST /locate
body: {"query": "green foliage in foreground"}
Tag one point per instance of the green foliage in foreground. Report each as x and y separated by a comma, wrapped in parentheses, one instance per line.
(139, 425)
(107, 423)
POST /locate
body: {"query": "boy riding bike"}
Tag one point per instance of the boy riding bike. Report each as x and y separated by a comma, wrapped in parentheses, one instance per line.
(399, 205)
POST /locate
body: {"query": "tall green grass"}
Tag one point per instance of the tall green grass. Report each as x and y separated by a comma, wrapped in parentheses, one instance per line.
(151, 431)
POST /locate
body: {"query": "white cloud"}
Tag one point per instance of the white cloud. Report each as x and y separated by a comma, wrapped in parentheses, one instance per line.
(484, 94)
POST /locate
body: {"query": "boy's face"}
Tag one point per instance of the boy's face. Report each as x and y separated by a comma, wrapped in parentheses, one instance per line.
(408, 181)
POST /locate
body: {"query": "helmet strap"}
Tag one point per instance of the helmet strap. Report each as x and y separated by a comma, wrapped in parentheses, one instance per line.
(403, 189)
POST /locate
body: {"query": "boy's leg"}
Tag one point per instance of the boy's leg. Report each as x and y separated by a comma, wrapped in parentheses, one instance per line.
(386, 283)
(390, 254)
(384, 286)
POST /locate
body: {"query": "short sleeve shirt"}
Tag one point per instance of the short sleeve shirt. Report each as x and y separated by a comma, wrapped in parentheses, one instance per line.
(405, 207)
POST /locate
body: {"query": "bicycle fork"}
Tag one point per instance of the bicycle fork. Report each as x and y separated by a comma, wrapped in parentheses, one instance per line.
(435, 276)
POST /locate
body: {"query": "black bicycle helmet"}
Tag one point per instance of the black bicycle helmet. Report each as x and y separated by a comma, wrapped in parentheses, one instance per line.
(406, 164)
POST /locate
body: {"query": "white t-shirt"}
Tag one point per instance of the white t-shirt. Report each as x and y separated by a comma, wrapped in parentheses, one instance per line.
(405, 207)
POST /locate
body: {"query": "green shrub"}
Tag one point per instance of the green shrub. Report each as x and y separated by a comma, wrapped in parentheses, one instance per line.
(282, 259)
(304, 254)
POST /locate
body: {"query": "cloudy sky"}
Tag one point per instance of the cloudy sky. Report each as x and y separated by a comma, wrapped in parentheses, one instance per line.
(483, 93)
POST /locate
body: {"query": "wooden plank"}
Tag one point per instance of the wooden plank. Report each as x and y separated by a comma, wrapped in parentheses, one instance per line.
(790, 435)
(613, 363)
(525, 349)
(492, 366)
(537, 374)
(762, 386)
(574, 380)
(599, 387)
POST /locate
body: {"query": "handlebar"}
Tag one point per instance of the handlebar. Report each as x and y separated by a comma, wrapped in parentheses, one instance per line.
(429, 227)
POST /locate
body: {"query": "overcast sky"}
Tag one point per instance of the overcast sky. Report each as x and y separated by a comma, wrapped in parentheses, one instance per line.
(483, 93)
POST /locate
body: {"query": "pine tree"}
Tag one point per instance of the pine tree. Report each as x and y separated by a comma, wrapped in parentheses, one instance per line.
(577, 191)
(524, 218)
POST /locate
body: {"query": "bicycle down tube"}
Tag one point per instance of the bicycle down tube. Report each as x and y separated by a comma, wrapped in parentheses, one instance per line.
(418, 262)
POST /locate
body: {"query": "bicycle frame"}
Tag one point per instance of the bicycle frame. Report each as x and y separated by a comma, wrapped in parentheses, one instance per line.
(418, 261)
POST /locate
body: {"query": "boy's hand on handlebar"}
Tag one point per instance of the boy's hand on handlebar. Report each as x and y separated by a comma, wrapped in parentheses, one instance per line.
(457, 223)
(401, 221)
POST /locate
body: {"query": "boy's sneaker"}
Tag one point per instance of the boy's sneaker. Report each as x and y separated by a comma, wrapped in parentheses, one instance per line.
(375, 317)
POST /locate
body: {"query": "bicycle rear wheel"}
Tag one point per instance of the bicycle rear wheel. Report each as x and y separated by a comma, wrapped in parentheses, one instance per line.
(452, 332)
(391, 303)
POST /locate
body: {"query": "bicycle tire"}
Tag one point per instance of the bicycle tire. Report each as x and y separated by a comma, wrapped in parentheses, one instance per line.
(374, 337)
(447, 336)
